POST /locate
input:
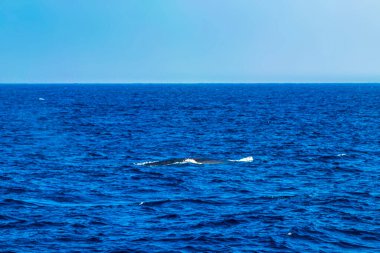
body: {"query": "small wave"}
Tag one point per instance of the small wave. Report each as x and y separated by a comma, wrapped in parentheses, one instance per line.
(220, 223)
(169, 216)
(15, 202)
(179, 201)
(341, 155)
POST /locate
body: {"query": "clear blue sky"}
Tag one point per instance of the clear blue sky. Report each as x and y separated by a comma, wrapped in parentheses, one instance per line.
(189, 41)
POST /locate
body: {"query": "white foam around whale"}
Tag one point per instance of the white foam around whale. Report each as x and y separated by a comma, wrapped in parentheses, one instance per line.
(145, 163)
(245, 159)
(188, 160)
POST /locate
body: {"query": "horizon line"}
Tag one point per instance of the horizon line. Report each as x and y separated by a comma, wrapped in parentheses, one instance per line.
(128, 83)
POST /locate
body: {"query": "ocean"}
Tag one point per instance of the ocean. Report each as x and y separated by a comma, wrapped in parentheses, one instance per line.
(190, 168)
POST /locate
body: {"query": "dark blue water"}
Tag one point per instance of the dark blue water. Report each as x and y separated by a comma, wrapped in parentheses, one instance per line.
(70, 179)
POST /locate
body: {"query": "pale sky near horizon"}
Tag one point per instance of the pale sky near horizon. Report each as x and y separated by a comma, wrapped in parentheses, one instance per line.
(189, 41)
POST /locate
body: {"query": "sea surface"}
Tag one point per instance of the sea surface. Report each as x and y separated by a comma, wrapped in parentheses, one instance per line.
(75, 172)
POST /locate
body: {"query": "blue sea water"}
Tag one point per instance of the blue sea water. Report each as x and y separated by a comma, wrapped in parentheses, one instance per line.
(72, 179)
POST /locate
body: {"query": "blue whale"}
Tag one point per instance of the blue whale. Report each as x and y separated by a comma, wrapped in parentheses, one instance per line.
(178, 161)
